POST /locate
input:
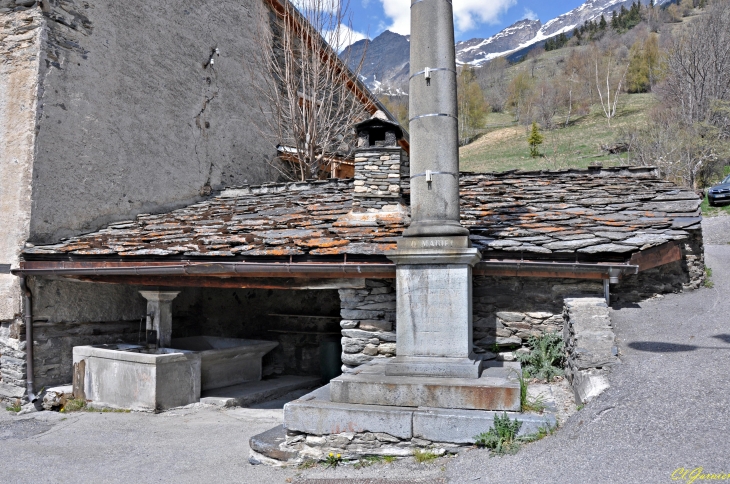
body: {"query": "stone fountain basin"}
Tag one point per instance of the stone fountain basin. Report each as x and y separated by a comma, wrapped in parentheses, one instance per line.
(227, 361)
(136, 377)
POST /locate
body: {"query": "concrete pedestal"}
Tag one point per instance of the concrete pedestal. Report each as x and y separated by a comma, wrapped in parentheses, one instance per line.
(434, 310)
(498, 388)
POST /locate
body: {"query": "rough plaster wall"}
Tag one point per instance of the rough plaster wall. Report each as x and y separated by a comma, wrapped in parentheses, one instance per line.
(20, 41)
(249, 313)
(131, 121)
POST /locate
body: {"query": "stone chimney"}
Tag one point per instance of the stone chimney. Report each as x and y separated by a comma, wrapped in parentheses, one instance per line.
(381, 165)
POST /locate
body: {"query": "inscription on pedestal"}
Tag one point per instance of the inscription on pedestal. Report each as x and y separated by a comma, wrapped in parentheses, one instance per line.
(434, 310)
(433, 243)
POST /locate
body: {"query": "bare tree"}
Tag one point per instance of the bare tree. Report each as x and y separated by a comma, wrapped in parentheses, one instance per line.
(310, 96)
(611, 68)
(688, 135)
(698, 64)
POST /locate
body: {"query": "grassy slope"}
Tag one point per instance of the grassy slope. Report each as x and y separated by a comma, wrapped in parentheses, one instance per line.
(578, 145)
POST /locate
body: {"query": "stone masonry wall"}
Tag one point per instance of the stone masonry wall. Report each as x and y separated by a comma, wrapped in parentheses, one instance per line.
(377, 177)
(508, 310)
(685, 274)
(368, 323)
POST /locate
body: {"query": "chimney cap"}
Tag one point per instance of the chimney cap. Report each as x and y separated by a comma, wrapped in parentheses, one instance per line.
(375, 124)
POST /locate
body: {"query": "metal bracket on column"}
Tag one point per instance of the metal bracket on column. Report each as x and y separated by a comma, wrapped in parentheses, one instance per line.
(432, 115)
(429, 176)
(429, 70)
(419, 1)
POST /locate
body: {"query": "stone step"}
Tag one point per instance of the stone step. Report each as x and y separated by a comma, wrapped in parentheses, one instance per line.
(250, 393)
(316, 415)
(497, 389)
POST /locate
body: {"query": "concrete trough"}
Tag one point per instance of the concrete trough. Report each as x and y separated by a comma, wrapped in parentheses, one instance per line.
(227, 361)
(136, 377)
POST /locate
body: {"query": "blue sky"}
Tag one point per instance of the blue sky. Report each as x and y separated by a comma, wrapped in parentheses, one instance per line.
(472, 18)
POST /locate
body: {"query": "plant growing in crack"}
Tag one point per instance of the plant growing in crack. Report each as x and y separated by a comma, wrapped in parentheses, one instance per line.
(501, 438)
(546, 357)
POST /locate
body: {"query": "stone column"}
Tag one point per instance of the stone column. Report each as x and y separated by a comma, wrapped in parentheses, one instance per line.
(159, 309)
(434, 259)
(433, 122)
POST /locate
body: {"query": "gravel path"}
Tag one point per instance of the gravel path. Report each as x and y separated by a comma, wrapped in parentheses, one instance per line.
(668, 407)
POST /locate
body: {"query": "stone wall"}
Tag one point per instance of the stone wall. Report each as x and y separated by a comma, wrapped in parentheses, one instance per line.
(508, 310)
(590, 346)
(132, 117)
(21, 36)
(685, 274)
(368, 323)
(378, 173)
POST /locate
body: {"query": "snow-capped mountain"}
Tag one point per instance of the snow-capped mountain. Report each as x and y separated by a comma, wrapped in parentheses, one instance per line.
(516, 37)
(386, 64)
(476, 51)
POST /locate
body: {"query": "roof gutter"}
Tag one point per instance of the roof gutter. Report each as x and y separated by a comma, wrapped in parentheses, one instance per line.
(514, 268)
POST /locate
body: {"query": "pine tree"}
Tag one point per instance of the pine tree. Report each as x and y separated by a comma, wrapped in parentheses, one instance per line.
(602, 24)
(535, 140)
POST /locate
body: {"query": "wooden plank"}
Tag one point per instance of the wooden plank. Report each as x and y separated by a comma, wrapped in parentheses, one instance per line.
(487, 271)
(657, 256)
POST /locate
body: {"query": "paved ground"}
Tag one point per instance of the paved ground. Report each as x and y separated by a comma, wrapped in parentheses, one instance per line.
(669, 407)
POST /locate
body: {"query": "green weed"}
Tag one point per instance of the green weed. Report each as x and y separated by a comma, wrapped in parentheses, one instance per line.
(545, 359)
(580, 407)
(424, 456)
(369, 460)
(389, 459)
(708, 279)
(502, 437)
(307, 464)
(528, 403)
(332, 460)
(14, 407)
(541, 433)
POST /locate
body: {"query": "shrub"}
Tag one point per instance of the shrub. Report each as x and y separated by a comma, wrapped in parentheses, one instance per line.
(546, 357)
(501, 438)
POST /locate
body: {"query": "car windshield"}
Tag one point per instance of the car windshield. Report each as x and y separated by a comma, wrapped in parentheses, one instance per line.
(726, 180)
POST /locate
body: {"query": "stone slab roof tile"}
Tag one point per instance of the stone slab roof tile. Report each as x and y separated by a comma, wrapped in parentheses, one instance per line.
(595, 211)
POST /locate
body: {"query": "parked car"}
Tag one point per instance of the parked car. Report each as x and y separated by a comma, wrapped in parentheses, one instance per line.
(719, 193)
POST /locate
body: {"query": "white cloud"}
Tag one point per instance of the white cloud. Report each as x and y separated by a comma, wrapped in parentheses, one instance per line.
(346, 36)
(530, 15)
(468, 14)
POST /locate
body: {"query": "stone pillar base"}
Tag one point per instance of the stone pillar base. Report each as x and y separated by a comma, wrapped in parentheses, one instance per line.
(434, 366)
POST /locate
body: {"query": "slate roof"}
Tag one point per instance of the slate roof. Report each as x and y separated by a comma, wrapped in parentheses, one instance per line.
(599, 212)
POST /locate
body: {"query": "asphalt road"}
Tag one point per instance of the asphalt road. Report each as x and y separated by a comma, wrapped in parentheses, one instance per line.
(668, 408)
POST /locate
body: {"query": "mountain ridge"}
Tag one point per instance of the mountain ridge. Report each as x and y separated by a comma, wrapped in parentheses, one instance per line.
(386, 63)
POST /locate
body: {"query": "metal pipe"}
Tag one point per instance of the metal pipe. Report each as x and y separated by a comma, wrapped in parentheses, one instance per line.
(208, 268)
(366, 270)
(607, 291)
(28, 296)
